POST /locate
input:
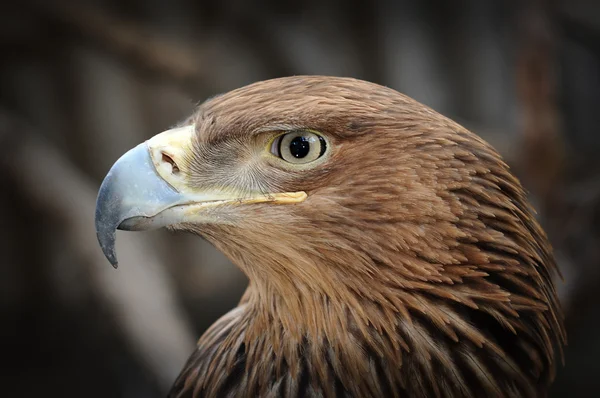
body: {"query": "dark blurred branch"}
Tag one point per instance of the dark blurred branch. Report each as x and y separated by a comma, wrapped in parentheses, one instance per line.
(542, 154)
(252, 31)
(363, 27)
(145, 312)
(568, 195)
(166, 59)
(577, 30)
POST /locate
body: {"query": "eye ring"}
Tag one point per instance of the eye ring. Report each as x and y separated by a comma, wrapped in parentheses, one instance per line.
(299, 147)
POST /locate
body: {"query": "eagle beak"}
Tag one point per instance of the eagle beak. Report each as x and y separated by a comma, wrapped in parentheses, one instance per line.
(146, 189)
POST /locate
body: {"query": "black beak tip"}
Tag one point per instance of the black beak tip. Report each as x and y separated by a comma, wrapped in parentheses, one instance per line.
(107, 244)
(106, 234)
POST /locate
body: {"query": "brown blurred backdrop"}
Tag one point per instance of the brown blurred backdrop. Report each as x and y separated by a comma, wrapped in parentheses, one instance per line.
(83, 81)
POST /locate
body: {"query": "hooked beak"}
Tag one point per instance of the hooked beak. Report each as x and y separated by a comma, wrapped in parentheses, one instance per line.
(148, 189)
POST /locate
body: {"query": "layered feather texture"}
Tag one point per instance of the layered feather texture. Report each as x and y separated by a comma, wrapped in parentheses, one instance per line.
(415, 268)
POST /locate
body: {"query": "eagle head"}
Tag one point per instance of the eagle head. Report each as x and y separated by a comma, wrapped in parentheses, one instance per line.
(390, 252)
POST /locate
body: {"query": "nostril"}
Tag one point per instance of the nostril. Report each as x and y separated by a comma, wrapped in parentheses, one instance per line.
(168, 159)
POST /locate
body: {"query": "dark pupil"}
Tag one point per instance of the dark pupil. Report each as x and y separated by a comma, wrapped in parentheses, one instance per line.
(299, 147)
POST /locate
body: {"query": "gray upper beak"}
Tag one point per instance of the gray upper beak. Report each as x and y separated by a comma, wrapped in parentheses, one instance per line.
(131, 192)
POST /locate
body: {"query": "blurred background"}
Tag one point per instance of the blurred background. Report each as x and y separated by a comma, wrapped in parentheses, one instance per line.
(81, 82)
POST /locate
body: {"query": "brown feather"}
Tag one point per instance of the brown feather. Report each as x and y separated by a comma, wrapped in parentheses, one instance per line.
(415, 267)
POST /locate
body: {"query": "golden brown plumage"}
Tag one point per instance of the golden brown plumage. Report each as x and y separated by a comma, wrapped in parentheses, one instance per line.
(413, 268)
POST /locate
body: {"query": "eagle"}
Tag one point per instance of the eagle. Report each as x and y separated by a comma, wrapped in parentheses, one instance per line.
(390, 252)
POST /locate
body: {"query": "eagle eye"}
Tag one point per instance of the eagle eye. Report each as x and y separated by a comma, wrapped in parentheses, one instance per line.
(299, 147)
